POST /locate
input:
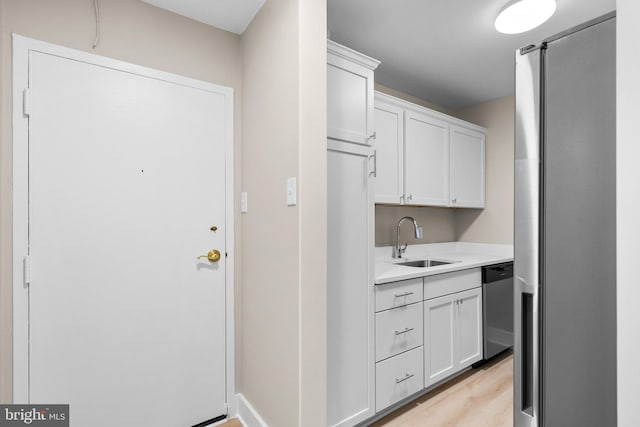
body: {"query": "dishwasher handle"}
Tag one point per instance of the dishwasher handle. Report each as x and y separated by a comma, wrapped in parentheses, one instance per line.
(493, 273)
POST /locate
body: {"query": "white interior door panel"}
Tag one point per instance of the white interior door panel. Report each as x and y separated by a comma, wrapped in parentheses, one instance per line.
(126, 179)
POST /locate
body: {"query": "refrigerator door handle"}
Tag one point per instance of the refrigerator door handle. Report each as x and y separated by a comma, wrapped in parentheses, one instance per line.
(528, 363)
(527, 240)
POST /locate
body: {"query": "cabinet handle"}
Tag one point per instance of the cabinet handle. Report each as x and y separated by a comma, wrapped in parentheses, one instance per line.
(454, 200)
(374, 172)
(406, 377)
(372, 136)
(406, 294)
(410, 197)
(404, 332)
(402, 199)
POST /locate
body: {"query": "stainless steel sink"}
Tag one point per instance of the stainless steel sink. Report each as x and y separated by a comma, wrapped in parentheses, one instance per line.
(423, 263)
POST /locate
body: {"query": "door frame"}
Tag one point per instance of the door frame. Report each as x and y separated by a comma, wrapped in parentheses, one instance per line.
(22, 46)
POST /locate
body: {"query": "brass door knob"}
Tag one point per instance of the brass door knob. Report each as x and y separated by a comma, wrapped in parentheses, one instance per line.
(213, 255)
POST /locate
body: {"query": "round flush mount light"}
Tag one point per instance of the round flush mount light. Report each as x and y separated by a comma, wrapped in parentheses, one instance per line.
(524, 15)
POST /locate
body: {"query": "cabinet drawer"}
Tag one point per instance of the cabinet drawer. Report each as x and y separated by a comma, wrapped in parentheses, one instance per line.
(398, 377)
(397, 294)
(398, 330)
(449, 283)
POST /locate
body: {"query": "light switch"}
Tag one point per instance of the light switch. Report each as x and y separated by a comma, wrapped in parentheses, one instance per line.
(291, 192)
(243, 202)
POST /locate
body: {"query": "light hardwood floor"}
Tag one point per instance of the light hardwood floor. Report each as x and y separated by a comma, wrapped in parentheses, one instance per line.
(232, 423)
(478, 398)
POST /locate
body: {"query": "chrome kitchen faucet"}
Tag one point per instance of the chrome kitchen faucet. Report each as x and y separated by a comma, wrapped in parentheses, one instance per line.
(397, 249)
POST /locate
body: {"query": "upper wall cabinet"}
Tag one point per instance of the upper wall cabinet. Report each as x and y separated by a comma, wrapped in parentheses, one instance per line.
(350, 95)
(427, 158)
(466, 167)
(389, 184)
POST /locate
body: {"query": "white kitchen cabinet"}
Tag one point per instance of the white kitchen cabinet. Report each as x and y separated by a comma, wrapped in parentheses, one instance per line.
(398, 330)
(350, 210)
(349, 95)
(452, 334)
(389, 145)
(399, 377)
(467, 148)
(398, 294)
(438, 285)
(350, 300)
(449, 319)
(427, 158)
(469, 327)
(439, 338)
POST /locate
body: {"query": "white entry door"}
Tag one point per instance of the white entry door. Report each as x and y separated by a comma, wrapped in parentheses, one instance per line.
(126, 188)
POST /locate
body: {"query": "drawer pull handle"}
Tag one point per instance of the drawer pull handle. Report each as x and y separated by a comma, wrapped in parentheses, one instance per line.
(406, 294)
(406, 377)
(404, 332)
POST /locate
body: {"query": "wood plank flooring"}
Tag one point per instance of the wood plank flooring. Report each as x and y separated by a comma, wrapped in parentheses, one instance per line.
(232, 423)
(478, 398)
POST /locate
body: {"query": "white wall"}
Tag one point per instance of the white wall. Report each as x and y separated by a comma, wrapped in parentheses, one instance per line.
(628, 207)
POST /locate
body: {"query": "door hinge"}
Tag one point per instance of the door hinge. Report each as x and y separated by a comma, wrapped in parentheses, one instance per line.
(26, 102)
(27, 270)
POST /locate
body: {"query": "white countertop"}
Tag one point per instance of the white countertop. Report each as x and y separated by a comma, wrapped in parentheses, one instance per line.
(465, 255)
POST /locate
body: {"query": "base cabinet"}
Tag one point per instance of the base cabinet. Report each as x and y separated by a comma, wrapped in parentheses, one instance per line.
(435, 321)
(452, 334)
(469, 327)
(439, 331)
(398, 377)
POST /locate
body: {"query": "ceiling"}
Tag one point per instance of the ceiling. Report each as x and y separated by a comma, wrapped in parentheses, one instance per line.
(230, 15)
(445, 51)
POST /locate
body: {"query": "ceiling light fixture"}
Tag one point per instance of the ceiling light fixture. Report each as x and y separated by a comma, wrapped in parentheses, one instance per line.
(523, 15)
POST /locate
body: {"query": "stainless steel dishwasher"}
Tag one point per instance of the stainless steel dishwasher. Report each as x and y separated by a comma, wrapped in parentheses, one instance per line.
(497, 304)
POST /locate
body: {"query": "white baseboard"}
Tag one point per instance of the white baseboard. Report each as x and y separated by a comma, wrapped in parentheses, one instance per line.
(247, 415)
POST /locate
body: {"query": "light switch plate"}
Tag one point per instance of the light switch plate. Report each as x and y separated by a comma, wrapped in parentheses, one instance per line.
(243, 202)
(291, 192)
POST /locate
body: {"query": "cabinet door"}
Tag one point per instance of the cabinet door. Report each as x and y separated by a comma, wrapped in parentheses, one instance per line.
(469, 327)
(439, 339)
(350, 309)
(389, 145)
(349, 101)
(426, 160)
(467, 168)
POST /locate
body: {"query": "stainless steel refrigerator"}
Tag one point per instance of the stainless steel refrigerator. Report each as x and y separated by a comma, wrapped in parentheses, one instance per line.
(565, 224)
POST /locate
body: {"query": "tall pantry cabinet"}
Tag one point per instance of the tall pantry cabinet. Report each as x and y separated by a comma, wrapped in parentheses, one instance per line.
(350, 169)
